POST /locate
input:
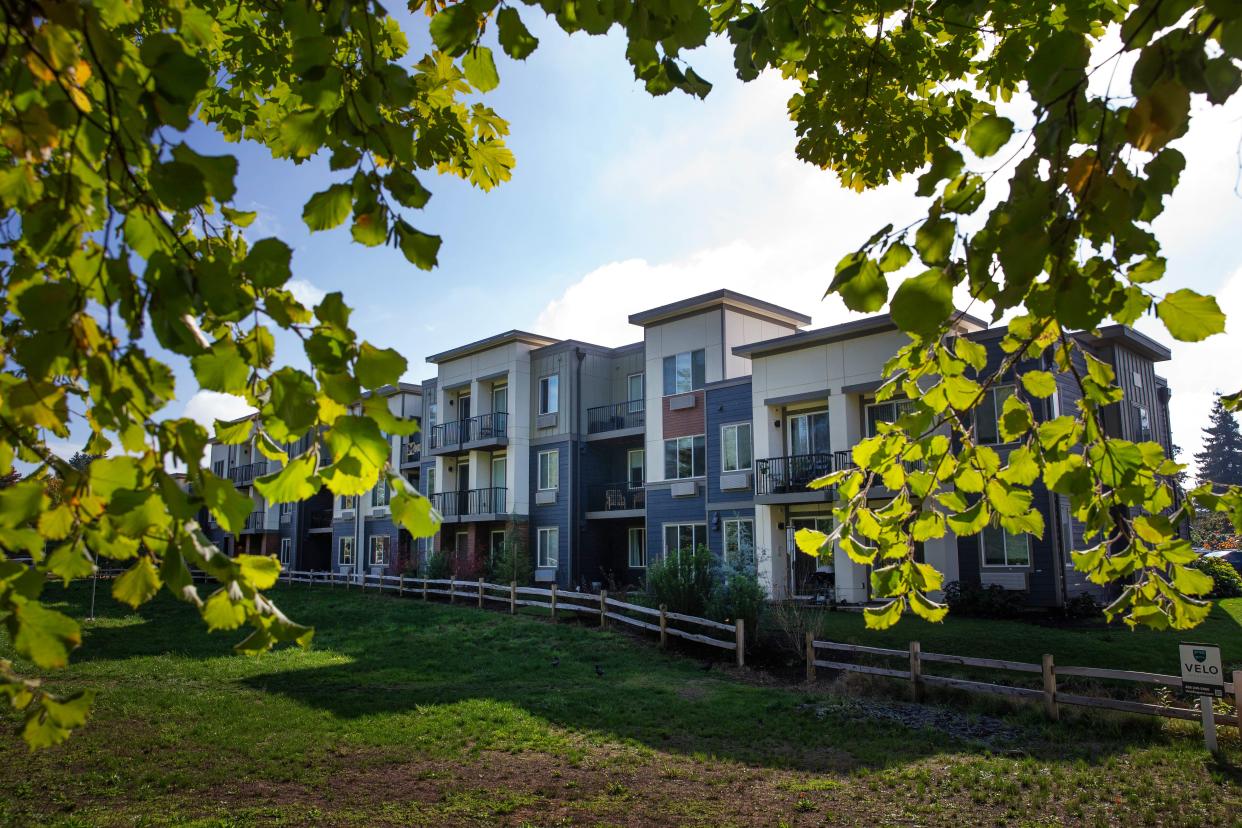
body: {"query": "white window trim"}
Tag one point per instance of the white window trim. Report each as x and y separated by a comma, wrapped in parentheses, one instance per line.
(983, 555)
(371, 561)
(691, 438)
(642, 547)
(555, 533)
(737, 425)
(556, 469)
(664, 527)
(342, 544)
(642, 384)
(546, 382)
(724, 533)
(629, 456)
(286, 550)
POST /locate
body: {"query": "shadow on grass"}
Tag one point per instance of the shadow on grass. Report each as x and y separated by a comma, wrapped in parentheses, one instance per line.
(435, 675)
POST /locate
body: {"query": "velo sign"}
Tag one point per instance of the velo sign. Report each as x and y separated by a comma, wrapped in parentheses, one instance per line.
(1202, 674)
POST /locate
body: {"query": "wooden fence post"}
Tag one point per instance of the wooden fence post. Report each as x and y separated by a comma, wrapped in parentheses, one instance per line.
(810, 656)
(513, 597)
(480, 593)
(603, 609)
(1208, 715)
(1050, 688)
(401, 584)
(553, 590)
(1237, 698)
(453, 588)
(424, 589)
(739, 637)
(663, 626)
(916, 672)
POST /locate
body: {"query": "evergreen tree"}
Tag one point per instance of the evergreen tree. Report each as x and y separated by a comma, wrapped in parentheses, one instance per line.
(1220, 462)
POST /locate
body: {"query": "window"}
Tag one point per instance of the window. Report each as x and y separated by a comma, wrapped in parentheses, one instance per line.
(1003, 549)
(636, 460)
(549, 394)
(379, 494)
(739, 541)
(684, 372)
(684, 457)
(884, 412)
(500, 399)
(638, 547)
(286, 550)
(348, 502)
(431, 481)
(989, 412)
(380, 545)
(1143, 424)
(808, 433)
(496, 542)
(346, 556)
(500, 469)
(286, 509)
(218, 468)
(431, 415)
(549, 541)
(735, 447)
(1138, 379)
(684, 537)
(635, 392)
(549, 469)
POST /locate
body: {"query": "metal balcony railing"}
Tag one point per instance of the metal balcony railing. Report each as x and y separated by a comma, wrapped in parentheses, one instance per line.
(613, 497)
(494, 500)
(794, 473)
(254, 522)
(411, 449)
(483, 427)
(241, 475)
(632, 414)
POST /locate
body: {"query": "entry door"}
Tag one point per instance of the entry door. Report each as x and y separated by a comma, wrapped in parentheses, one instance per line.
(635, 461)
(500, 467)
(500, 400)
(808, 572)
(463, 486)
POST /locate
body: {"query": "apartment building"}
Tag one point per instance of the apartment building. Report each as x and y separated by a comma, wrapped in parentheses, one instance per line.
(706, 430)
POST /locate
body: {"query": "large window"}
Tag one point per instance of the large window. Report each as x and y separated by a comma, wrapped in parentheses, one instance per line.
(735, 447)
(635, 461)
(348, 502)
(638, 547)
(500, 399)
(1003, 549)
(431, 481)
(884, 412)
(431, 415)
(379, 494)
(346, 555)
(286, 550)
(684, 372)
(496, 542)
(989, 412)
(684, 457)
(684, 537)
(549, 394)
(380, 547)
(549, 541)
(739, 541)
(1142, 424)
(808, 433)
(549, 469)
(636, 392)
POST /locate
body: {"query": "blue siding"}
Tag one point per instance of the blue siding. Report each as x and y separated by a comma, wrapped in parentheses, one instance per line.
(663, 508)
(731, 404)
(556, 514)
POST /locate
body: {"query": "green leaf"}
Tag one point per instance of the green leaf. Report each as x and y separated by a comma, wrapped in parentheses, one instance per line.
(259, 571)
(297, 481)
(1149, 270)
(411, 509)
(861, 284)
(988, 134)
(810, 541)
(934, 241)
(42, 635)
(222, 368)
(517, 42)
(455, 28)
(1039, 383)
(371, 228)
(234, 433)
(329, 208)
(420, 248)
(480, 69)
(69, 561)
(239, 217)
(1189, 316)
(267, 263)
(138, 584)
(406, 189)
(881, 618)
(1192, 581)
(377, 367)
(376, 407)
(927, 609)
(217, 171)
(922, 303)
(107, 474)
(226, 503)
(358, 451)
(221, 613)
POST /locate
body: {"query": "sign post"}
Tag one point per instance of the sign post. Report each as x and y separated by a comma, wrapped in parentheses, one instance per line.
(1203, 676)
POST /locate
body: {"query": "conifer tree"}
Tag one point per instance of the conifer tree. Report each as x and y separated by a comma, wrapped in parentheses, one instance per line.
(1220, 462)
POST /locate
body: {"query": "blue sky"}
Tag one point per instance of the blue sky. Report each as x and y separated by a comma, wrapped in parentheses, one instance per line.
(621, 201)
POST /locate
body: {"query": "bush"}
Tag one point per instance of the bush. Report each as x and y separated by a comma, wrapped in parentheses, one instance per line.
(737, 593)
(1228, 584)
(683, 582)
(511, 564)
(1082, 606)
(439, 565)
(971, 600)
(792, 620)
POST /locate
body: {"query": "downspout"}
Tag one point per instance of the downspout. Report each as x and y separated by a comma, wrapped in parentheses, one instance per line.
(575, 531)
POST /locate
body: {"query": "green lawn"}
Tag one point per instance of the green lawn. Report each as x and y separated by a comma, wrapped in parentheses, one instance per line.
(406, 713)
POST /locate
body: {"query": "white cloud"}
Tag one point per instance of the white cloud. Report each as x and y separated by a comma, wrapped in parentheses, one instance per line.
(305, 292)
(205, 407)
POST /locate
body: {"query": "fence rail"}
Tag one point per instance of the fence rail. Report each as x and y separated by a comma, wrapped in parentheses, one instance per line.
(1048, 670)
(603, 606)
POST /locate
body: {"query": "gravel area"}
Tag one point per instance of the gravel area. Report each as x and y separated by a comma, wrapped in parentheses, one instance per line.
(989, 731)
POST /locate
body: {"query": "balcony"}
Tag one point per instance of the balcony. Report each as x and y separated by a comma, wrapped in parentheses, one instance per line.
(616, 500)
(626, 418)
(320, 520)
(411, 450)
(254, 522)
(483, 431)
(472, 504)
(787, 479)
(241, 475)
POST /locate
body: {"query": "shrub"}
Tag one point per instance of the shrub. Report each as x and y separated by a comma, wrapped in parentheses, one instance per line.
(512, 563)
(1081, 606)
(683, 582)
(737, 593)
(792, 620)
(439, 565)
(983, 602)
(1228, 584)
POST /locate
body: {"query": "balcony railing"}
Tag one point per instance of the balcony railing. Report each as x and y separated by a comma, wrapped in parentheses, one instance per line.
(632, 414)
(321, 519)
(483, 427)
(794, 473)
(411, 449)
(494, 500)
(241, 475)
(615, 497)
(254, 522)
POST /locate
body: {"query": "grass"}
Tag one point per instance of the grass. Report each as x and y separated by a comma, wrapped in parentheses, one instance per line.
(406, 713)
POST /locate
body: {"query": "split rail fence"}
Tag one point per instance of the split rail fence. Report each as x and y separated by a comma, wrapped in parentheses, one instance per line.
(657, 620)
(1050, 694)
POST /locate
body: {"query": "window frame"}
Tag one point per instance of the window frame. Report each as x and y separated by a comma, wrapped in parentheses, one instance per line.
(378, 500)
(491, 541)
(550, 394)
(642, 390)
(990, 395)
(904, 401)
(695, 529)
(286, 551)
(641, 533)
(698, 458)
(344, 542)
(496, 389)
(431, 481)
(372, 548)
(554, 532)
(642, 466)
(1005, 536)
(724, 446)
(698, 378)
(724, 534)
(554, 467)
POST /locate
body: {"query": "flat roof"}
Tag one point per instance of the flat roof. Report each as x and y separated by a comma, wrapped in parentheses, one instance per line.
(719, 298)
(490, 342)
(389, 390)
(834, 333)
(1135, 341)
